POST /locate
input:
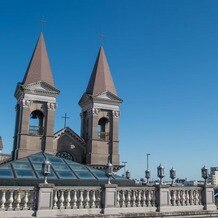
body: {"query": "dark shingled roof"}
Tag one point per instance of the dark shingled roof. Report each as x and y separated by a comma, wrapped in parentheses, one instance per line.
(39, 67)
(101, 79)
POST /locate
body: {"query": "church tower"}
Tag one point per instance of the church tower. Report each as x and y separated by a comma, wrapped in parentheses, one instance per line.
(100, 116)
(35, 108)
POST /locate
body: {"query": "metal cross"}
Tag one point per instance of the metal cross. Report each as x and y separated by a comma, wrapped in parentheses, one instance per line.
(43, 21)
(65, 117)
(101, 37)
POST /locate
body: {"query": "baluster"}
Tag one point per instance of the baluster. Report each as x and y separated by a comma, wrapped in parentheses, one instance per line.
(123, 199)
(61, 199)
(98, 199)
(26, 200)
(153, 198)
(81, 199)
(149, 198)
(143, 198)
(173, 197)
(139, 198)
(187, 197)
(178, 198)
(128, 199)
(93, 199)
(191, 197)
(11, 199)
(118, 198)
(68, 199)
(3, 200)
(198, 197)
(74, 199)
(87, 199)
(194, 197)
(55, 200)
(182, 197)
(18, 200)
(133, 198)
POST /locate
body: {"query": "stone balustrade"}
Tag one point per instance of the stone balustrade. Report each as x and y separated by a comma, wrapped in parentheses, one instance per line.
(17, 198)
(48, 200)
(76, 197)
(136, 197)
(185, 196)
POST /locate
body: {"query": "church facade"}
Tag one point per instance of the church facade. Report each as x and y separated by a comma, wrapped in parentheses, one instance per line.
(98, 142)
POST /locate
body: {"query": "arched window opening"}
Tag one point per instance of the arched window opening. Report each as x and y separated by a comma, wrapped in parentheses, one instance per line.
(36, 123)
(103, 129)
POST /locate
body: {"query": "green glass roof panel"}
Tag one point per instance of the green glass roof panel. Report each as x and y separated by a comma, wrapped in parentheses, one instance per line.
(60, 167)
(78, 167)
(50, 176)
(53, 159)
(6, 173)
(22, 165)
(27, 174)
(66, 175)
(5, 166)
(85, 175)
(37, 158)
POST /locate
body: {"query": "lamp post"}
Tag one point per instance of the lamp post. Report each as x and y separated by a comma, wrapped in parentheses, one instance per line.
(124, 162)
(109, 171)
(160, 172)
(172, 175)
(204, 174)
(46, 170)
(147, 172)
(127, 174)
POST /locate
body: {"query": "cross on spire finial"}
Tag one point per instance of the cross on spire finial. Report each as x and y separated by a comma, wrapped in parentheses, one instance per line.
(101, 37)
(43, 21)
(65, 117)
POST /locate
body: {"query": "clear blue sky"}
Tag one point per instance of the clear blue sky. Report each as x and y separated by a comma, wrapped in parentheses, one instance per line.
(164, 59)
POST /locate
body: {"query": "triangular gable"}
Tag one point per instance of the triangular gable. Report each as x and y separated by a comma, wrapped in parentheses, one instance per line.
(69, 132)
(40, 86)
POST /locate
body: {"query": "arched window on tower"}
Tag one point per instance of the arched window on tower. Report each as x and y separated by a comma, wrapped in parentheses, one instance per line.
(103, 129)
(36, 123)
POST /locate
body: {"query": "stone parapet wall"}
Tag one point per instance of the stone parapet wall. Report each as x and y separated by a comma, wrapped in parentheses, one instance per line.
(109, 200)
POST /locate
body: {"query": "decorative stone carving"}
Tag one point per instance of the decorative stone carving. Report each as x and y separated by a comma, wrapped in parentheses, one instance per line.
(116, 113)
(25, 103)
(51, 106)
(93, 111)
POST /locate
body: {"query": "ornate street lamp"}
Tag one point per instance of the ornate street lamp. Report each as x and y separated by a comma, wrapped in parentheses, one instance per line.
(160, 172)
(127, 174)
(46, 170)
(172, 175)
(109, 171)
(147, 175)
(204, 174)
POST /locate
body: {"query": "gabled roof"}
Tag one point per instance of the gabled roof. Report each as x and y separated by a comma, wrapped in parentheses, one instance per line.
(71, 133)
(39, 67)
(28, 171)
(101, 79)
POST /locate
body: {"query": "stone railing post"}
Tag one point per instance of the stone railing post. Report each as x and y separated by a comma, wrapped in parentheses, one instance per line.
(44, 199)
(208, 198)
(109, 198)
(163, 198)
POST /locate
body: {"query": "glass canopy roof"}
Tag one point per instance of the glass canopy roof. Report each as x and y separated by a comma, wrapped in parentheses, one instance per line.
(27, 171)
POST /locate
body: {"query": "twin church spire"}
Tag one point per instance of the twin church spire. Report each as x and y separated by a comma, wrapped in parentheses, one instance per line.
(39, 68)
(36, 103)
(101, 79)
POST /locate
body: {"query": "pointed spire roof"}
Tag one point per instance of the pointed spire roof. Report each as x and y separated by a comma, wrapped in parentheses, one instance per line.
(101, 79)
(39, 67)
